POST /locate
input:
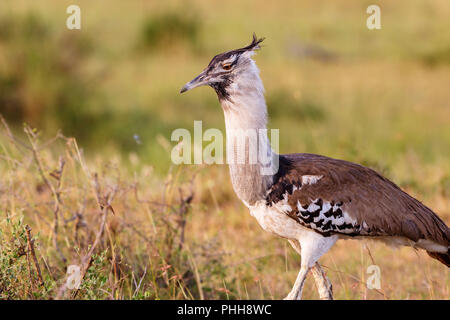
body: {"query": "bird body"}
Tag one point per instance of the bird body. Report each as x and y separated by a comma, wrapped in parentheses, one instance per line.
(308, 199)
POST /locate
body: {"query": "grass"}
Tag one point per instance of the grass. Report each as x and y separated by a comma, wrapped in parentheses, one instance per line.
(136, 236)
(379, 98)
(126, 247)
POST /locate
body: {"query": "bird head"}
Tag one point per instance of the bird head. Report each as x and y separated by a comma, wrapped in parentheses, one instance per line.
(227, 69)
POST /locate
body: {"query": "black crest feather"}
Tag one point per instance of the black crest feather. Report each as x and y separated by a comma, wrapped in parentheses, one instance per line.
(252, 46)
(255, 43)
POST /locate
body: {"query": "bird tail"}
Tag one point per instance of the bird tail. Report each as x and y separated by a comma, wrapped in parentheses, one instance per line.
(441, 257)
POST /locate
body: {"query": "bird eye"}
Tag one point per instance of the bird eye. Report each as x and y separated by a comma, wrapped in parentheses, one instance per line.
(226, 66)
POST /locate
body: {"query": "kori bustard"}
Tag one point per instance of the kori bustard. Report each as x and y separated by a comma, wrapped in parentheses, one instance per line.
(310, 200)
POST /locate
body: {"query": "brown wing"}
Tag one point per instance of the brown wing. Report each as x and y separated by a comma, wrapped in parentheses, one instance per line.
(351, 199)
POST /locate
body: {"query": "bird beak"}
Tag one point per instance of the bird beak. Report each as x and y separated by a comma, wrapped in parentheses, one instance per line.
(198, 81)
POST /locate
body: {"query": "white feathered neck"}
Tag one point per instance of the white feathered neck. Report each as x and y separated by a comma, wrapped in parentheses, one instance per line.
(246, 110)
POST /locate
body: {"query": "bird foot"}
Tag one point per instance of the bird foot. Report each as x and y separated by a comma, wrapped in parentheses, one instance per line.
(326, 293)
(328, 296)
(292, 296)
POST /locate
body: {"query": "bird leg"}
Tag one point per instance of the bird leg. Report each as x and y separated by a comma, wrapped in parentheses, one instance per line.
(296, 292)
(322, 282)
(312, 247)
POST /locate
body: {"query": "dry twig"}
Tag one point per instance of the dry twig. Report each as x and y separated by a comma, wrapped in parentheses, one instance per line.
(30, 242)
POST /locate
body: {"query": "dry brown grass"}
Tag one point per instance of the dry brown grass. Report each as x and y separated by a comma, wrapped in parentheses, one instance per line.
(100, 218)
(137, 236)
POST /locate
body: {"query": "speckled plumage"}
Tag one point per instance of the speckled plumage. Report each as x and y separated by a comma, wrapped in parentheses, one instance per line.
(353, 200)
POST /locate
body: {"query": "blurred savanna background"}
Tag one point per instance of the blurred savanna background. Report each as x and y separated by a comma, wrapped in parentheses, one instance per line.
(85, 172)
